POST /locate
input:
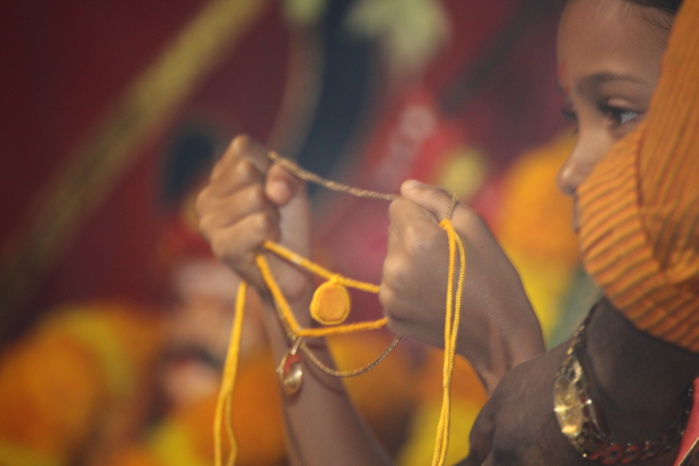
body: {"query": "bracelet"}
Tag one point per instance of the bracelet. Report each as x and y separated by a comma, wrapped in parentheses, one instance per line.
(582, 421)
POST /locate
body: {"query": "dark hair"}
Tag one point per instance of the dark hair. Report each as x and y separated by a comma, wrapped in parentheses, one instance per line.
(668, 6)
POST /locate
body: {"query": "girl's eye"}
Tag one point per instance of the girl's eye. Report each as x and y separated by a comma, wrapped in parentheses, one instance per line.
(620, 116)
(569, 114)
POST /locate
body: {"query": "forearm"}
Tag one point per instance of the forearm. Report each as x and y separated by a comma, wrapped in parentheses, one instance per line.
(640, 381)
(514, 339)
(322, 426)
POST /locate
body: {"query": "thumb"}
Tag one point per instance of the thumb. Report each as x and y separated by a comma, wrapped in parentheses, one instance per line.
(281, 185)
(436, 200)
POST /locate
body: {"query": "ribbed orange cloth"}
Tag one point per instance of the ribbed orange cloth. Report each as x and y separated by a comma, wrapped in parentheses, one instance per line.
(639, 209)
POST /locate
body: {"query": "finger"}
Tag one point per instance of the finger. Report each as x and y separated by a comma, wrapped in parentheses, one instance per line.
(415, 241)
(217, 212)
(413, 234)
(281, 185)
(395, 308)
(435, 200)
(239, 174)
(238, 244)
(234, 194)
(247, 162)
(404, 214)
(242, 147)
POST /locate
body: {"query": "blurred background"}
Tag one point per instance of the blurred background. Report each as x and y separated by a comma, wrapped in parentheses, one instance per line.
(114, 317)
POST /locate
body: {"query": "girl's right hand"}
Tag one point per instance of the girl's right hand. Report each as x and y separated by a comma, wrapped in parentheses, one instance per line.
(498, 328)
(249, 200)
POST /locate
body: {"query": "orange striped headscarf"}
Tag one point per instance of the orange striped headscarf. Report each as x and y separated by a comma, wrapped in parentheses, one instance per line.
(640, 207)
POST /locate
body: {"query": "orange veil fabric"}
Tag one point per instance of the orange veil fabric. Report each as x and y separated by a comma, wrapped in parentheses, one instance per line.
(640, 206)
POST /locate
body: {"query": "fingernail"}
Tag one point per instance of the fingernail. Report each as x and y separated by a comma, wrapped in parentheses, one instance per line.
(240, 143)
(279, 191)
(413, 184)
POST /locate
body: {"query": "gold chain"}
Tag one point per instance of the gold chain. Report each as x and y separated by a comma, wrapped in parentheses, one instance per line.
(329, 184)
(330, 371)
(300, 343)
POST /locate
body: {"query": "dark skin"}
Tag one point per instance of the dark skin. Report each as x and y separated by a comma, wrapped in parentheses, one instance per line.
(609, 55)
(517, 426)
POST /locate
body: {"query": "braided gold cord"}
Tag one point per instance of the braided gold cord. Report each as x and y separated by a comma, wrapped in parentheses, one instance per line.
(351, 373)
(329, 184)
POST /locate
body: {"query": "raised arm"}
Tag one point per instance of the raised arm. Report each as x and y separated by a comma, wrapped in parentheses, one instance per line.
(249, 200)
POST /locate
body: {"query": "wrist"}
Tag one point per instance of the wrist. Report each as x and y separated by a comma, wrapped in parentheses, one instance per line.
(640, 380)
(504, 347)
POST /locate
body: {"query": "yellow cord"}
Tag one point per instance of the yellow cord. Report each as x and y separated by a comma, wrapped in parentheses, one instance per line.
(452, 317)
(317, 269)
(451, 325)
(229, 373)
(294, 326)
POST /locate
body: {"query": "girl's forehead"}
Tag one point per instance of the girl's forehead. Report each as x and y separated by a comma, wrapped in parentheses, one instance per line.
(611, 36)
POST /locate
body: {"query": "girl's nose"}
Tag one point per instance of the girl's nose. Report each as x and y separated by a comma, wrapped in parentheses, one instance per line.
(568, 178)
(582, 159)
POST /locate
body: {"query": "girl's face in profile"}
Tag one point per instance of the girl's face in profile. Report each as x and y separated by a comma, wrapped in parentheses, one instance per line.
(609, 55)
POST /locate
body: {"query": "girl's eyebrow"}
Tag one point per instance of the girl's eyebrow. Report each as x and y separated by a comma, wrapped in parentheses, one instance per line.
(593, 81)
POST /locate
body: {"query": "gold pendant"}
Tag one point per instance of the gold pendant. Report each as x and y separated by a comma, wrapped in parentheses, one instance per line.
(290, 370)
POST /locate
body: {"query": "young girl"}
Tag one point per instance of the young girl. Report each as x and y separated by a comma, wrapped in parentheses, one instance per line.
(610, 54)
